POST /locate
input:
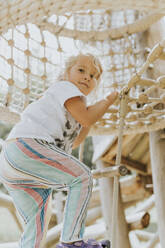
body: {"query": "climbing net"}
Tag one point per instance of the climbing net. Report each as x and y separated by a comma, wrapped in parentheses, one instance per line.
(145, 106)
(38, 36)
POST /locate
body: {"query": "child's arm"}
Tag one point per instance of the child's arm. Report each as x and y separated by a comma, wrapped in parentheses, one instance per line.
(78, 140)
(87, 116)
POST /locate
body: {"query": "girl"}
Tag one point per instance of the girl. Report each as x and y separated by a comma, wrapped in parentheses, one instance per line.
(36, 156)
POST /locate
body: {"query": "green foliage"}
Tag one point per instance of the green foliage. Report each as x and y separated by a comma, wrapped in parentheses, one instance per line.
(88, 152)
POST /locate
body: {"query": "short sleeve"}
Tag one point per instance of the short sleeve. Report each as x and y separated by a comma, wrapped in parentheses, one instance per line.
(64, 90)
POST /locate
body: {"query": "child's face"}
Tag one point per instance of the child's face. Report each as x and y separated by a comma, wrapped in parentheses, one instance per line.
(83, 74)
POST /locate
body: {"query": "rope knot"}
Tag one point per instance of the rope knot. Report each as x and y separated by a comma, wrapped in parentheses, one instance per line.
(124, 102)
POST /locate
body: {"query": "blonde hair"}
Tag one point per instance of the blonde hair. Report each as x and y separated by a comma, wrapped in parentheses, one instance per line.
(72, 60)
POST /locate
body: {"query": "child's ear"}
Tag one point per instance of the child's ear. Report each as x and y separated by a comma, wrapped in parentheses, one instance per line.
(99, 73)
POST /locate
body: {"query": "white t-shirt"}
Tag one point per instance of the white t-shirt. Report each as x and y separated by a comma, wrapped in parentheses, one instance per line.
(48, 119)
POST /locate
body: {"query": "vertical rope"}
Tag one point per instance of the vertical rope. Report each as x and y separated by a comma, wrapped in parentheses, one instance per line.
(26, 91)
(44, 76)
(10, 61)
(123, 112)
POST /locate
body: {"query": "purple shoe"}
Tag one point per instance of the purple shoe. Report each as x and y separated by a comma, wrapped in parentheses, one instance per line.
(91, 243)
(102, 243)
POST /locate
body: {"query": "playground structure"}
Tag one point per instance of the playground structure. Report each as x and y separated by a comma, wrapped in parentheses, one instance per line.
(128, 38)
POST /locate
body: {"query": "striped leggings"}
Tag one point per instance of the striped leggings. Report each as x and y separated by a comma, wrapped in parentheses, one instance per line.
(31, 169)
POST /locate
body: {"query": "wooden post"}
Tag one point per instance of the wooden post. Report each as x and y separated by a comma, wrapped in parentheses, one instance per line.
(157, 144)
(106, 196)
(157, 147)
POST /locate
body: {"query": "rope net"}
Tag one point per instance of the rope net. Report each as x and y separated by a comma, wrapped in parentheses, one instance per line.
(38, 36)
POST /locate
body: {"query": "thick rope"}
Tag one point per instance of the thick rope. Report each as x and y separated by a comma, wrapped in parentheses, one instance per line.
(123, 112)
(112, 33)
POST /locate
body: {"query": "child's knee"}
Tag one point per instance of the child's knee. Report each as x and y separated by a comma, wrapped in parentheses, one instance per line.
(88, 178)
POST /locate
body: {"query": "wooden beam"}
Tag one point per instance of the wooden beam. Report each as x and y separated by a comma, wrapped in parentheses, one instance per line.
(111, 153)
(145, 159)
(132, 188)
(147, 205)
(131, 144)
(134, 165)
(119, 170)
(137, 152)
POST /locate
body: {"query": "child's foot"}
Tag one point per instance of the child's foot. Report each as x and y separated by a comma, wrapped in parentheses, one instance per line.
(102, 243)
(91, 243)
(105, 243)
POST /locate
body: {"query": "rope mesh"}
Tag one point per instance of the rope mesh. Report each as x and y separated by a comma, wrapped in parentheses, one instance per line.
(34, 47)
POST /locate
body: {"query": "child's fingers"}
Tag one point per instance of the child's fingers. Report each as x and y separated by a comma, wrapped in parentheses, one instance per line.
(113, 96)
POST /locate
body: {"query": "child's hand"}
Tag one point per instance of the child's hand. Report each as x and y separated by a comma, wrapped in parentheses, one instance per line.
(112, 97)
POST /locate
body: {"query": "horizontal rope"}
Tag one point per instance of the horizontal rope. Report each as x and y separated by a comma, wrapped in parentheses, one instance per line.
(16, 12)
(112, 33)
(134, 129)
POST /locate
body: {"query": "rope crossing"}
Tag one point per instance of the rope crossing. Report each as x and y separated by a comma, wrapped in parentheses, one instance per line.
(142, 112)
(30, 61)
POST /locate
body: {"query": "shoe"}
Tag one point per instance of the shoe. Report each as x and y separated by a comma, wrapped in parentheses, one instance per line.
(91, 243)
(105, 243)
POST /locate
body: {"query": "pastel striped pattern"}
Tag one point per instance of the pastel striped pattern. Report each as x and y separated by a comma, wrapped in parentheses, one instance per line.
(32, 204)
(48, 165)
